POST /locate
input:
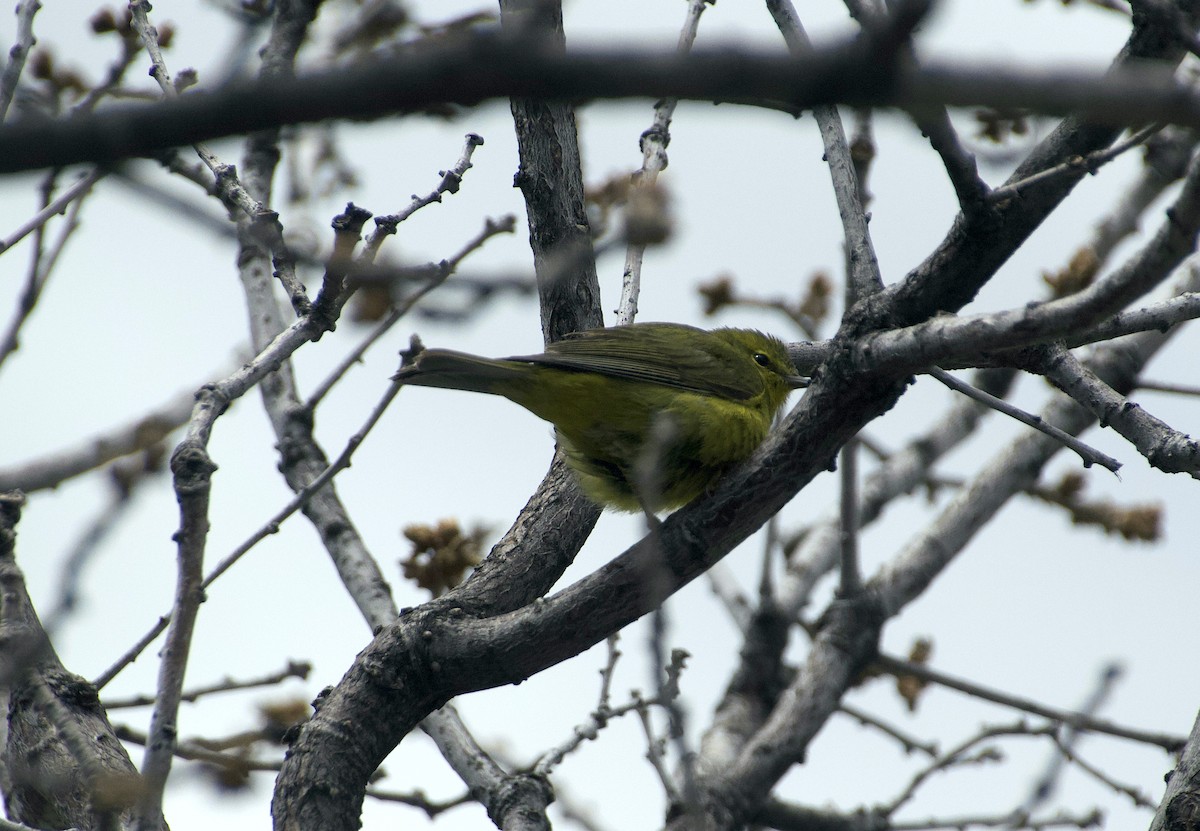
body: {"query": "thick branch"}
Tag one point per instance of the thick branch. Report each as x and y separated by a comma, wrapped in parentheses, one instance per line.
(934, 340)
(64, 766)
(479, 68)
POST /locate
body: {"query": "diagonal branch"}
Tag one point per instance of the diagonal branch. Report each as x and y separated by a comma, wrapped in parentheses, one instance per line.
(863, 277)
(1089, 455)
(1164, 447)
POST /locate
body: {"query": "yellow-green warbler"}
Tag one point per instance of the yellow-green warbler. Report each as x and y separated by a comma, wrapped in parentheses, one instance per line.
(649, 415)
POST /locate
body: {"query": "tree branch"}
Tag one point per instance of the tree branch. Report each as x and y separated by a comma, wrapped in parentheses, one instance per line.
(1165, 448)
(466, 71)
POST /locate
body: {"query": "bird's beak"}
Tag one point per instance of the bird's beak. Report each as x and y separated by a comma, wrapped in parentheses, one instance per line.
(797, 382)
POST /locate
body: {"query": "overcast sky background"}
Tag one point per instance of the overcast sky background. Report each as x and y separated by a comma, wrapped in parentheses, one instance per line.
(147, 305)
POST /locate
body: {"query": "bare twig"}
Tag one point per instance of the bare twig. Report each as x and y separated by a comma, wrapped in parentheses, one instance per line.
(440, 273)
(294, 669)
(417, 799)
(385, 226)
(901, 473)
(907, 743)
(1157, 316)
(40, 270)
(1076, 720)
(656, 756)
(195, 751)
(1089, 454)
(959, 756)
(1059, 819)
(1046, 784)
(1091, 163)
(75, 191)
(1166, 161)
(863, 277)
(1136, 796)
(17, 53)
(598, 719)
(1164, 447)
(1165, 386)
(228, 187)
(653, 143)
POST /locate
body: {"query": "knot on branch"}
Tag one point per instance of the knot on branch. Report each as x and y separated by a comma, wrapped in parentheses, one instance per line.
(11, 503)
(1183, 811)
(296, 443)
(212, 400)
(399, 654)
(350, 223)
(761, 672)
(853, 625)
(523, 793)
(192, 467)
(73, 690)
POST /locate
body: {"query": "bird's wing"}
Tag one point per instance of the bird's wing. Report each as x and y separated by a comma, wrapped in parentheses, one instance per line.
(655, 354)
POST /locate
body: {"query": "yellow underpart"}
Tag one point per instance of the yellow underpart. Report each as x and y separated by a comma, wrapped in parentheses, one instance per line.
(702, 435)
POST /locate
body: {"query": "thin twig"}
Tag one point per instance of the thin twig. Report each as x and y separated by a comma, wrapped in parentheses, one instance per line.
(17, 53)
(1092, 162)
(1164, 386)
(417, 799)
(133, 437)
(1046, 784)
(1164, 447)
(386, 225)
(56, 207)
(907, 742)
(1089, 454)
(655, 755)
(41, 268)
(194, 751)
(598, 719)
(1161, 316)
(1079, 721)
(294, 669)
(653, 143)
(1059, 819)
(1137, 797)
(958, 756)
(441, 272)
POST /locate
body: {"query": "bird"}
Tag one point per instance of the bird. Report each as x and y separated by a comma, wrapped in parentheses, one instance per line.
(649, 415)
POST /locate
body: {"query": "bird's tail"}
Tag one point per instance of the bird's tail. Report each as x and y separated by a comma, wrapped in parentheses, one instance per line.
(459, 371)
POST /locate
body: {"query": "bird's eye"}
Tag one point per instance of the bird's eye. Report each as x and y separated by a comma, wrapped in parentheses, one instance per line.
(761, 359)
